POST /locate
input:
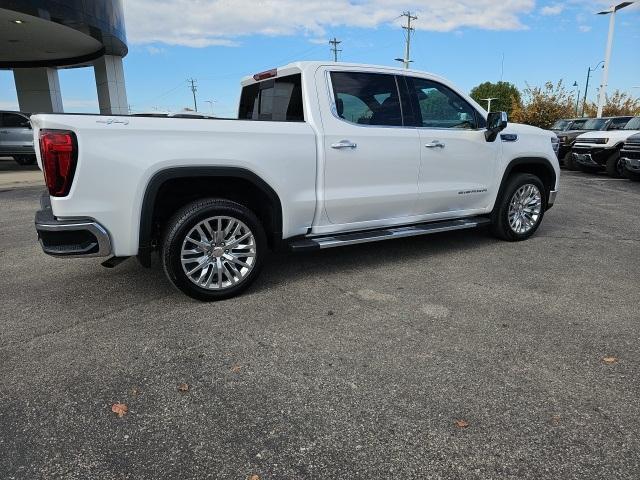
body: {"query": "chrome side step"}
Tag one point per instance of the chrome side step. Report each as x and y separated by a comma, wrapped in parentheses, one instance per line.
(386, 234)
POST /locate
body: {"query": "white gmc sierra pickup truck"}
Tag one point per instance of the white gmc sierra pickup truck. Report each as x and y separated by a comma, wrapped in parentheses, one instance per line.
(322, 155)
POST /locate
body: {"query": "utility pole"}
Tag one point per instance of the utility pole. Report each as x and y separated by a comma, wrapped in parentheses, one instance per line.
(407, 47)
(194, 89)
(334, 48)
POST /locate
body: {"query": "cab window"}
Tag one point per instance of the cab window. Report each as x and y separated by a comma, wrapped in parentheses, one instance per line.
(367, 98)
(437, 106)
(277, 100)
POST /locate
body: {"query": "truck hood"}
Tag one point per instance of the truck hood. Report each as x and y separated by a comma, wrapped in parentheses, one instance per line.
(613, 137)
(522, 129)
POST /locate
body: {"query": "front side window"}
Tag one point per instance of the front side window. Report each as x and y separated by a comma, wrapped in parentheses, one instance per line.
(278, 100)
(437, 106)
(367, 98)
(578, 124)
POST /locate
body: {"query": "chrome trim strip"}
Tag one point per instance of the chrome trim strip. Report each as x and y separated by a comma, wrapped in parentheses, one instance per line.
(391, 233)
(552, 197)
(101, 234)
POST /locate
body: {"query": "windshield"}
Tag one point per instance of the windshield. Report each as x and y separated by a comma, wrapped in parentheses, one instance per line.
(560, 125)
(634, 124)
(594, 124)
(578, 124)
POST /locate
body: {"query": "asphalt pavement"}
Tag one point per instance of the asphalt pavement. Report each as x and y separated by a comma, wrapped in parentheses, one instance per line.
(451, 356)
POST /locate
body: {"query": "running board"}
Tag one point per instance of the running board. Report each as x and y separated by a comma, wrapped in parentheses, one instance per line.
(386, 234)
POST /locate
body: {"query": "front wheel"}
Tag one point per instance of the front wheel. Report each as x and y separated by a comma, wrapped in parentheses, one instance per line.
(213, 249)
(569, 162)
(519, 211)
(633, 176)
(615, 166)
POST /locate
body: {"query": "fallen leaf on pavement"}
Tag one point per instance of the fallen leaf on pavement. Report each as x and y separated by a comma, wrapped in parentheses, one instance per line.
(135, 391)
(236, 368)
(119, 409)
(555, 419)
(462, 423)
(254, 477)
(610, 360)
(183, 387)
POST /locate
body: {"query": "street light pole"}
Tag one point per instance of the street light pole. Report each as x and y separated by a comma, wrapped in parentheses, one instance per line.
(586, 87)
(607, 58)
(488, 100)
(575, 84)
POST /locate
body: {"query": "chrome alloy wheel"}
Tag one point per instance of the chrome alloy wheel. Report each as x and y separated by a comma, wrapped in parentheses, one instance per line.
(525, 208)
(218, 253)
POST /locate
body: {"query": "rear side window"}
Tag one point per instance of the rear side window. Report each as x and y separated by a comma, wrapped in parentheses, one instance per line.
(367, 98)
(277, 100)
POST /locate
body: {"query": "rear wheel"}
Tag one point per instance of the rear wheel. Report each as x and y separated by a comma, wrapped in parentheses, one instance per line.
(519, 211)
(615, 166)
(213, 249)
(569, 162)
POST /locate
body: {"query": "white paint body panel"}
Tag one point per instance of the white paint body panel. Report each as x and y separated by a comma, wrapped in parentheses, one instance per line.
(389, 179)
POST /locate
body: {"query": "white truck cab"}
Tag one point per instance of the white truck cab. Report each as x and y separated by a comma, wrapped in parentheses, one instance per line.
(321, 155)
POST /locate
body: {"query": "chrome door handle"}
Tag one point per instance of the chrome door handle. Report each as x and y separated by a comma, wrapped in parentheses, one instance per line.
(344, 144)
(435, 144)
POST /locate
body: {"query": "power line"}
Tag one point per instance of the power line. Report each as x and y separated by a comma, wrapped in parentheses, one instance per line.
(194, 89)
(407, 47)
(334, 48)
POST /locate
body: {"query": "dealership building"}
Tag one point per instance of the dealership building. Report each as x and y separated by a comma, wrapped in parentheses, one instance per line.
(38, 37)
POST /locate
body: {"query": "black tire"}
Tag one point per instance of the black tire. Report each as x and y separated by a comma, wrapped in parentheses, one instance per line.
(500, 226)
(633, 176)
(615, 166)
(569, 162)
(587, 169)
(184, 221)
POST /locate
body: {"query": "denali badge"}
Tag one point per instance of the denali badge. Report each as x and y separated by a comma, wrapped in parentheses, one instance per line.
(109, 121)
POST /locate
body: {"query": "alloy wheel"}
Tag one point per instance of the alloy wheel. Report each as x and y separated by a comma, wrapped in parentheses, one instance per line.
(525, 208)
(218, 252)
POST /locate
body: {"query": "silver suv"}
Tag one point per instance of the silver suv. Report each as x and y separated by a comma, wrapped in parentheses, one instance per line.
(16, 137)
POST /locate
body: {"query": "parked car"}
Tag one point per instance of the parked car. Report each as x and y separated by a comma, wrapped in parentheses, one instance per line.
(567, 124)
(322, 155)
(568, 139)
(16, 137)
(599, 150)
(630, 155)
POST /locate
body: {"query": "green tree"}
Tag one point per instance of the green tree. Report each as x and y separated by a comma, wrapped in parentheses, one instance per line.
(506, 93)
(542, 106)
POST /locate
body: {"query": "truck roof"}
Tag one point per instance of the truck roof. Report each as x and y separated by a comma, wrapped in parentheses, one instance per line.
(307, 66)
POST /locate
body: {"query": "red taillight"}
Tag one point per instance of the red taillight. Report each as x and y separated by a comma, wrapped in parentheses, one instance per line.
(59, 153)
(264, 75)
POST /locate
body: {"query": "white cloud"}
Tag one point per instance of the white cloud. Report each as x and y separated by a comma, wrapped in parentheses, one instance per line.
(202, 23)
(584, 28)
(550, 10)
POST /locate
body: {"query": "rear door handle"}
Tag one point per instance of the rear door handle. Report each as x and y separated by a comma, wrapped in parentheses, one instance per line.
(344, 144)
(435, 144)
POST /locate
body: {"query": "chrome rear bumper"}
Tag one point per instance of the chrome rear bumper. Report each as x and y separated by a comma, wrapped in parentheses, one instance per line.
(81, 237)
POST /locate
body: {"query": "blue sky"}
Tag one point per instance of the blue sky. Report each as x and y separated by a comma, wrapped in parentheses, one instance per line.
(217, 42)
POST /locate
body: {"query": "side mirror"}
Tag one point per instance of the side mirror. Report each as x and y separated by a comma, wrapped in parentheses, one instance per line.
(496, 122)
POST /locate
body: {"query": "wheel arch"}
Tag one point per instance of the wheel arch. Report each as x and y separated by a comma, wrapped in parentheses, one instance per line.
(539, 166)
(216, 176)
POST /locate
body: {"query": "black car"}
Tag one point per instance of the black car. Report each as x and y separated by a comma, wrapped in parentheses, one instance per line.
(568, 139)
(567, 129)
(630, 155)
